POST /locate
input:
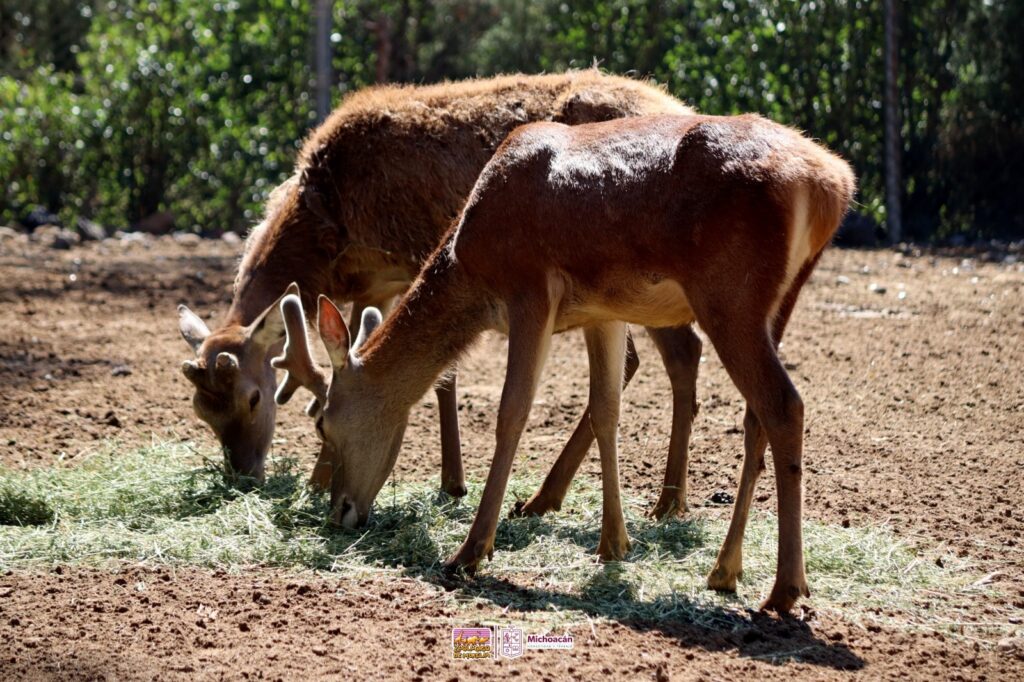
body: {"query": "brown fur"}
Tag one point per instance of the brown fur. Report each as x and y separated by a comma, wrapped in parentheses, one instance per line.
(374, 190)
(661, 221)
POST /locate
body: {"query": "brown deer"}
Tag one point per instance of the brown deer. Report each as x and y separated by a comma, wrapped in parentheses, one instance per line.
(659, 221)
(375, 189)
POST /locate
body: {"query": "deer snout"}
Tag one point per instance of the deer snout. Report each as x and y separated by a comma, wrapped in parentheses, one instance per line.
(347, 516)
(238, 462)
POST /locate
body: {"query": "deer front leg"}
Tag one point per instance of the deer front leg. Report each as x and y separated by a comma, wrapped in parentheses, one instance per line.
(605, 348)
(453, 479)
(556, 484)
(323, 471)
(528, 342)
(680, 350)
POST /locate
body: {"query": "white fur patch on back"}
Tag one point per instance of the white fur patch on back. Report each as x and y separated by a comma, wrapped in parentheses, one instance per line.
(620, 159)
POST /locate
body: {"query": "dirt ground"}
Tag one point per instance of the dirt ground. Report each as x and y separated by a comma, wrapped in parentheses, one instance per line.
(910, 366)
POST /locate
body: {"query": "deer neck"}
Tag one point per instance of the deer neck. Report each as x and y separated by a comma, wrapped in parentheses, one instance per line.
(440, 316)
(292, 247)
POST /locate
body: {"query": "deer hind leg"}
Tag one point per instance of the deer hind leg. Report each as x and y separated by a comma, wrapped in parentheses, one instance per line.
(729, 565)
(680, 350)
(556, 485)
(747, 351)
(530, 329)
(606, 345)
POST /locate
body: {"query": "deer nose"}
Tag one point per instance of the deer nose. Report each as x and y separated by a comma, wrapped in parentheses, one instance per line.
(347, 514)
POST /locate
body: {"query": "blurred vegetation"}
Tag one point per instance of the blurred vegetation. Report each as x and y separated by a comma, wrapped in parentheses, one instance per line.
(116, 109)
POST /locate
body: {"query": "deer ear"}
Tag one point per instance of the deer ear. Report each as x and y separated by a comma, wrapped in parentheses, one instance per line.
(268, 328)
(192, 329)
(315, 204)
(369, 322)
(333, 331)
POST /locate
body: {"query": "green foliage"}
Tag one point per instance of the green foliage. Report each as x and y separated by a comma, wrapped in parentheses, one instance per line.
(187, 105)
(120, 108)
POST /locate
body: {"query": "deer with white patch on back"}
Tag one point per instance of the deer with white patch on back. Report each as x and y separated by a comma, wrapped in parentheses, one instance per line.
(659, 221)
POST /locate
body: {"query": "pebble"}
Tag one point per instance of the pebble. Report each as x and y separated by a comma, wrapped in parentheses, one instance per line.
(89, 230)
(121, 371)
(133, 237)
(64, 240)
(1012, 646)
(45, 234)
(231, 238)
(189, 239)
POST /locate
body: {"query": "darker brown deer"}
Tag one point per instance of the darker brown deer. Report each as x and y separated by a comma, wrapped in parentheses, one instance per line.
(375, 189)
(659, 221)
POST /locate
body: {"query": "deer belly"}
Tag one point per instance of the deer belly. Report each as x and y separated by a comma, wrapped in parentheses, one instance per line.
(654, 303)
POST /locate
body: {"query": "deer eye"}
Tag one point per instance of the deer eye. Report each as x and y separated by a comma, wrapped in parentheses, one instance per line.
(254, 400)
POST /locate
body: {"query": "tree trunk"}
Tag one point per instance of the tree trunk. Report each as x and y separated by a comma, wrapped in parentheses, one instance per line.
(324, 12)
(893, 142)
(383, 29)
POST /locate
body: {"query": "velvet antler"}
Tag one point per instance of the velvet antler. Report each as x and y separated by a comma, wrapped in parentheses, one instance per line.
(296, 359)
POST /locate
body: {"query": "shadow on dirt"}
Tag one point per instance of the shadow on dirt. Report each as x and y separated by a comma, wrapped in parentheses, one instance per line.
(399, 536)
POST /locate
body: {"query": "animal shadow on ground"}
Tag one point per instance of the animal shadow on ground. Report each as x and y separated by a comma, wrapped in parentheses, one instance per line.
(402, 531)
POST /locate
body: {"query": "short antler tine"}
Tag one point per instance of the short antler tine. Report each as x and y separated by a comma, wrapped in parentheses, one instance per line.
(225, 368)
(190, 368)
(227, 361)
(296, 359)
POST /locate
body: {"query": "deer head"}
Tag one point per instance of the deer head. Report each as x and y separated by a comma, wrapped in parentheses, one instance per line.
(360, 431)
(234, 383)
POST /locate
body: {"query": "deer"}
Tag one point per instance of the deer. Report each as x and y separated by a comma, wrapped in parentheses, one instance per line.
(374, 190)
(659, 221)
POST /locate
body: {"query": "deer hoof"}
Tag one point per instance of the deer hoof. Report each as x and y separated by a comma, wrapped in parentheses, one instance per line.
(467, 559)
(723, 580)
(783, 598)
(535, 506)
(454, 488)
(668, 507)
(613, 549)
(455, 567)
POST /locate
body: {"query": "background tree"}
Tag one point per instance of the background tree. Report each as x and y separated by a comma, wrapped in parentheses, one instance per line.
(116, 109)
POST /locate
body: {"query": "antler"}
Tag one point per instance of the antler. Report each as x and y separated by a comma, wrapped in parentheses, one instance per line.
(192, 372)
(296, 359)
